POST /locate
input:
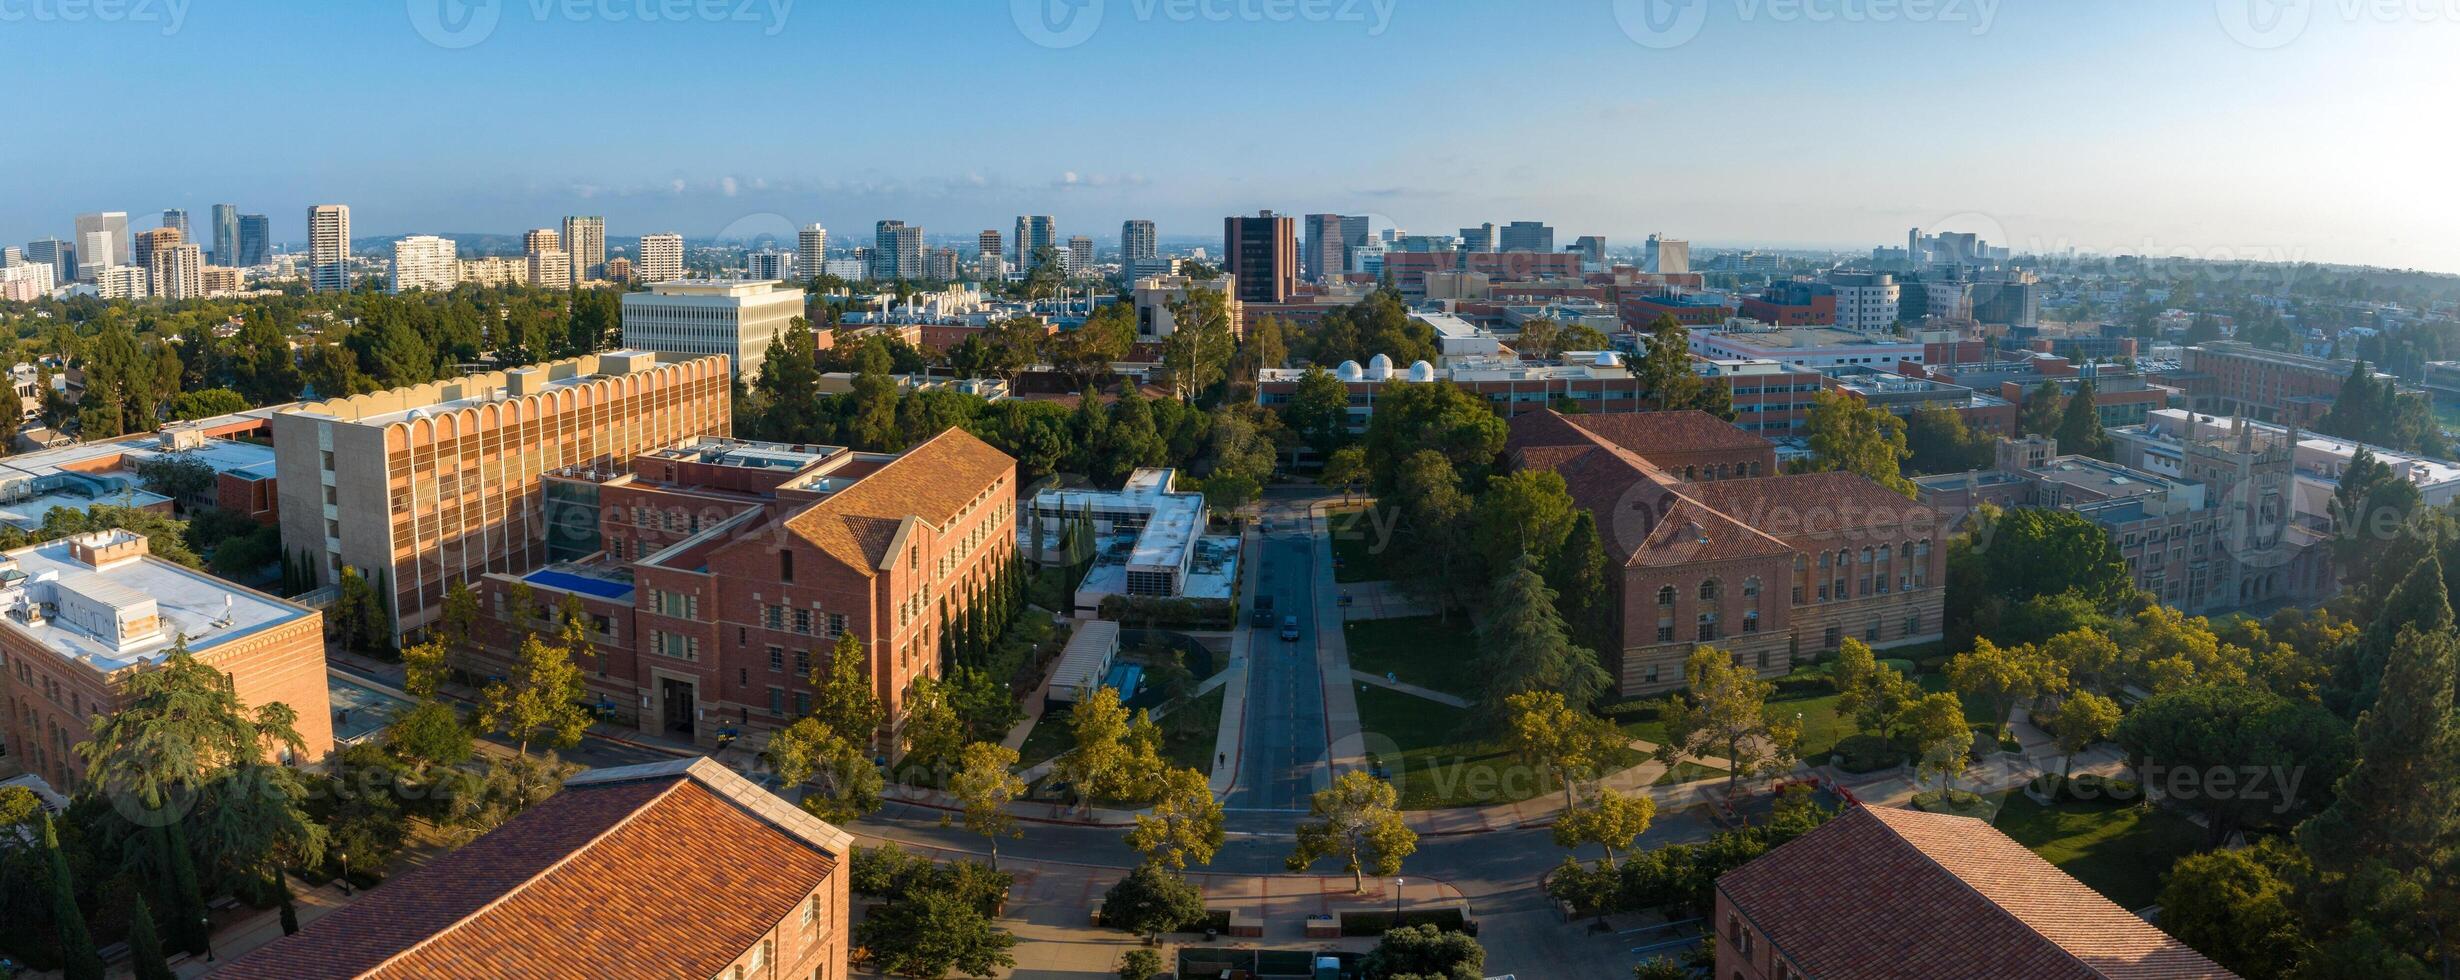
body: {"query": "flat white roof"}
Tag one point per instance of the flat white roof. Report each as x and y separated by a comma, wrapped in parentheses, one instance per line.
(191, 604)
(1086, 658)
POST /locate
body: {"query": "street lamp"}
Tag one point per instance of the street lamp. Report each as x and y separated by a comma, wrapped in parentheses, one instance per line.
(1397, 885)
(205, 924)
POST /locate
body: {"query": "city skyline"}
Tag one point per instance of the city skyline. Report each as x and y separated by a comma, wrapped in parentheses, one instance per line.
(2218, 143)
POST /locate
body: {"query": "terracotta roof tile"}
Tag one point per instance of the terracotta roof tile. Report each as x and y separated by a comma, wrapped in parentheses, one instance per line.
(1812, 505)
(1656, 432)
(1881, 892)
(930, 482)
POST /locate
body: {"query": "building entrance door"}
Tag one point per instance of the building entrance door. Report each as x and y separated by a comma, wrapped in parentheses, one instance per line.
(677, 703)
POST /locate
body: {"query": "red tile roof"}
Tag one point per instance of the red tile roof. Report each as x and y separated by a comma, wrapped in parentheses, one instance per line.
(1881, 892)
(1658, 432)
(665, 870)
(930, 482)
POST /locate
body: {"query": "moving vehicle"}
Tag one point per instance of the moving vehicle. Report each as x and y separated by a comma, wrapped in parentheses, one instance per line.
(1289, 628)
(1264, 611)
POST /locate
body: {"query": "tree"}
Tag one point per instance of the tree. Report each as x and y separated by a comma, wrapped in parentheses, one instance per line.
(1099, 765)
(2004, 676)
(1544, 732)
(1440, 417)
(1525, 512)
(2037, 552)
(984, 786)
(429, 734)
(1355, 819)
(2240, 908)
(1665, 366)
(1524, 647)
(1084, 355)
(423, 668)
(842, 695)
(2079, 429)
(1140, 964)
(79, 960)
(1432, 542)
(145, 944)
(1607, 819)
(459, 619)
(1318, 411)
(2214, 728)
(1723, 712)
(1184, 825)
(1942, 737)
(935, 732)
(931, 932)
(1938, 441)
(809, 750)
(1426, 952)
(2419, 602)
(1346, 468)
(2043, 410)
(2080, 720)
(1849, 436)
(541, 701)
(2397, 805)
(1152, 900)
(1197, 352)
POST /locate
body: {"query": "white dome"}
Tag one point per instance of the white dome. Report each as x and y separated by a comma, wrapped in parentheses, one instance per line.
(1379, 367)
(1421, 371)
(1607, 359)
(1348, 371)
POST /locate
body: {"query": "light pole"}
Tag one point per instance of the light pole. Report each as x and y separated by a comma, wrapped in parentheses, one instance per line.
(1397, 885)
(205, 925)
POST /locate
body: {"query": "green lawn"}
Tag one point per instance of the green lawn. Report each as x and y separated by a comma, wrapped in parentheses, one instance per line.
(1049, 738)
(1190, 730)
(1357, 545)
(1435, 762)
(2120, 851)
(1421, 650)
(1809, 697)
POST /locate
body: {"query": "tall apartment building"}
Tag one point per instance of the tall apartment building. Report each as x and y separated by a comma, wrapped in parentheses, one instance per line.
(698, 316)
(1262, 254)
(1034, 232)
(494, 270)
(585, 241)
(329, 248)
(538, 240)
(418, 488)
(102, 242)
(811, 251)
(84, 614)
(1080, 256)
(1866, 302)
(142, 254)
(619, 269)
(940, 265)
(769, 263)
(1526, 236)
(178, 271)
(990, 255)
(255, 241)
(661, 258)
(1327, 248)
(1137, 242)
(426, 262)
(896, 250)
(551, 269)
(225, 218)
(124, 282)
(1666, 256)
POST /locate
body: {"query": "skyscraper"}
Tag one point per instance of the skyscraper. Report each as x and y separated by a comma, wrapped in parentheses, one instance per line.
(255, 241)
(661, 258)
(551, 268)
(991, 257)
(769, 263)
(1327, 254)
(896, 251)
(1080, 255)
(1528, 236)
(1480, 238)
(226, 234)
(1034, 232)
(1262, 253)
(538, 240)
(102, 242)
(176, 219)
(329, 248)
(178, 270)
(425, 262)
(585, 241)
(59, 255)
(1137, 241)
(811, 251)
(1354, 230)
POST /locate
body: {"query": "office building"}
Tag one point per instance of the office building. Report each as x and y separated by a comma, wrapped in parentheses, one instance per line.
(551, 269)
(698, 316)
(1526, 236)
(102, 241)
(643, 870)
(255, 241)
(418, 488)
(145, 242)
(225, 219)
(1479, 238)
(124, 282)
(81, 615)
(1080, 256)
(585, 241)
(1154, 295)
(896, 251)
(990, 256)
(425, 262)
(11, 255)
(661, 258)
(1592, 249)
(1261, 253)
(811, 251)
(1961, 899)
(329, 248)
(176, 219)
(1327, 254)
(1866, 302)
(1665, 256)
(178, 271)
(2012, 298)
(1137, 242)
(59, 255)
(768, 264)
(1034, 232)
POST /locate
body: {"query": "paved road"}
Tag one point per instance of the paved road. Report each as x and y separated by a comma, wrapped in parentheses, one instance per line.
(1283, 758)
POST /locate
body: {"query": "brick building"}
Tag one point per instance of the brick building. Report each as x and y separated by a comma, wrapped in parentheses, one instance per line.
(2227, 377)
(1880, 892)
(81, 615)
(1715, 548)
(716, 573)
(666, 869)
(1793, 304)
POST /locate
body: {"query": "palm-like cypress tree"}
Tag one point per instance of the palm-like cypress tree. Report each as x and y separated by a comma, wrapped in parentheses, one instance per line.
(78, 959)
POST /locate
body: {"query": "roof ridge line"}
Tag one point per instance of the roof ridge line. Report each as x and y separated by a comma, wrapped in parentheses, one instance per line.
(1994, 904)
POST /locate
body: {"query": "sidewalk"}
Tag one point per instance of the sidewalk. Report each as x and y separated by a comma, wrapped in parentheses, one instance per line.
(1341, 729)
(1230, 741)
(1412, 690)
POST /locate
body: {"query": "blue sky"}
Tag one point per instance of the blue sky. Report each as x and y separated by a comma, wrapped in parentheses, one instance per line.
(2106, 125)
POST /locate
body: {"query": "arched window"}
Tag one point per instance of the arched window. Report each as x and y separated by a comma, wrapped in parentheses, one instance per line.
(1884, 552)
(1708, 590)
(1866, 554)
(1665, 596)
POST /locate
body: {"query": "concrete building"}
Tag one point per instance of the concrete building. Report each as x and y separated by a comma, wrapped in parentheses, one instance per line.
(225, 218)
(124, 282)
(811, 250)
(176, 219)
(102, 241)
(585, 241)
(329, 248)
(701, 316)
(1080, 256)
(1137, 243)
(990, 256)
(1592, 249)
(551, 268)
(255, 241)
(619, 270)
(1479, 238)
(1817, 348)
(26, 282)
(1665, 256)
(661, 258)
(1261, 253)
(1150, 541)
(178, 271)
(494, 270)
(426, 262)
(1866, 302)
(1153, 296)
(1327, 254)
(1793, 303)
(652, 859)
(538, 240)
(148, 241)
(769, 264)
(59, 255)
(897, 251)
(1526, 236)
(1715, 548)
(81, 615)
(1034, 232)
(421, 487)
(1961, 899)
